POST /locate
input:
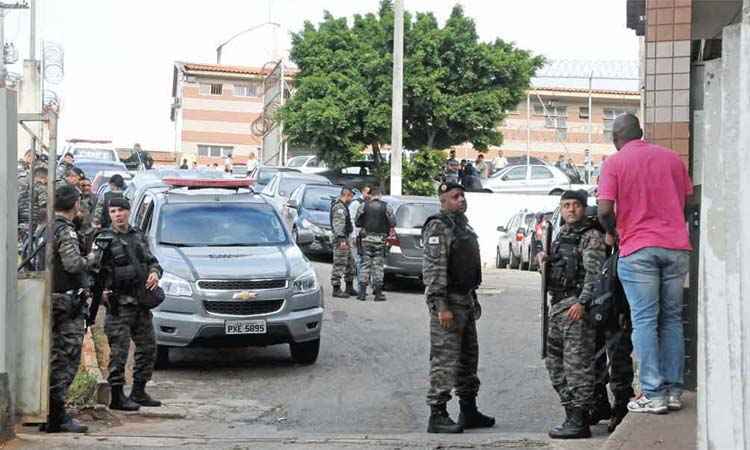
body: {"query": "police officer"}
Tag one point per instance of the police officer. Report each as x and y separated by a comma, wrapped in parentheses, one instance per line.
(575, 259)
(33, 210)
(130, 270)
(375, 219)
(613, 345)
(88, 202)
(67, 162)
(71, 176)
(101, 210)
(343, 261)
(451, 272)
(68, 310)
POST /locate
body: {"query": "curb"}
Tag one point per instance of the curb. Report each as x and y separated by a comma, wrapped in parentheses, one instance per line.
(91, 363)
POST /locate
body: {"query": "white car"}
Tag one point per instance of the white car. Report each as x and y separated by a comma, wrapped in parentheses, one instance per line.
(282, 184)
(509, 250)
(89, 149)
(307, 164)
(531, 179)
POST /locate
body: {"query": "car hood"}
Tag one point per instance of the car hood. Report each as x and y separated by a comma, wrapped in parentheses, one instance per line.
(222, 263)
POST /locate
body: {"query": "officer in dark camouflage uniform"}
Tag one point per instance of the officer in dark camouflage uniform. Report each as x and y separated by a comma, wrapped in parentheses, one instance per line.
(101, 211)
(343, 261)
(575, 259)
(88, 201)
(33, 210)
(129, 269)
(375, 219)
(68, 308)
(451, 270)
(68, 162)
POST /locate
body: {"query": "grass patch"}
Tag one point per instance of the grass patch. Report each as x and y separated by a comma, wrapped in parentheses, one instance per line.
(83, 390)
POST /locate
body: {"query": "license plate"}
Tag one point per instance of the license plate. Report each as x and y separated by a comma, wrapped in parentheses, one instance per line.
(245, 327)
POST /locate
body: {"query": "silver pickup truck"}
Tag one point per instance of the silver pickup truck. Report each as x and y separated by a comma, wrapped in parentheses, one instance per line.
(232, 274)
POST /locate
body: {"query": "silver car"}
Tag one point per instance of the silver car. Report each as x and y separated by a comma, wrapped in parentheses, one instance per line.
(278, 190)
(531, 179)
(232, 274)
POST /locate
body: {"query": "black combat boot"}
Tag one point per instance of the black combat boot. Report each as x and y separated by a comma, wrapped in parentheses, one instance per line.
(350, 289)
(619, 412)
(378, 292)
(470, 417)
(362, 295)
(566, 422)
(440, 421)
(602, 409)
(338, 293)
(55, 417)
(576, 426)
(120, 402)
(139, 395)
(72, 426)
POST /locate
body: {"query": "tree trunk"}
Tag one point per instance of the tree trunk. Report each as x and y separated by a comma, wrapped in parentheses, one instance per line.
(431, 138)
(378, 158)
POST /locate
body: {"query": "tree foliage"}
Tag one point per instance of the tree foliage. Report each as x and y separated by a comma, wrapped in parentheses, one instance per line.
(456, 88)
(418, 172)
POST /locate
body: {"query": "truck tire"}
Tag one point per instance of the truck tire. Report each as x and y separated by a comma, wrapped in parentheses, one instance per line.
(162, 357)
(305, 352)
(515, 262)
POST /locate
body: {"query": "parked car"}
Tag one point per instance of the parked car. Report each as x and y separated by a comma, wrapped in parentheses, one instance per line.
(233, 276)
(510, 244)
(531, 179)
(357, 175)
(309, 208)
(277, 191)
(91, 167)
(307, 164)
(534, 237)
(404, 246)
(262, 175)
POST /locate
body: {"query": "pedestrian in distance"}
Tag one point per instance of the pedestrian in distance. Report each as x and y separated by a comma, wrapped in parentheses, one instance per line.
(130, 274)
(499, 162)
(482, 167)
(343, 261)
(69, 277)
(452, 271)
(375, 220)
(648, 186)
(574, 260)
(184, 165)
(252, 164)
(228, 164)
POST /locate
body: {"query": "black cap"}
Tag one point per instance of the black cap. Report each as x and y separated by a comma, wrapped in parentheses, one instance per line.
(117, 180)
(66, 197)
(119, 202)
(581, 195)
(449, 185)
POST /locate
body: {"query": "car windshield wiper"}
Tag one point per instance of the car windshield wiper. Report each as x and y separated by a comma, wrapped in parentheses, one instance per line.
(177, 244)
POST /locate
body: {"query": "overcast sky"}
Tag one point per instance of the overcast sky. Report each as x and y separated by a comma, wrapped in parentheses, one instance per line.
(119, 53)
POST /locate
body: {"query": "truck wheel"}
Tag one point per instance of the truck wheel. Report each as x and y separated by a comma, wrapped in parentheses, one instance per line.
(162, 357)
(498, 259)
(515, 261)
(532, 261)
(305, 352)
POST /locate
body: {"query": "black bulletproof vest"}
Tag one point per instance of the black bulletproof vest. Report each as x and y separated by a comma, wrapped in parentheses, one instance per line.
(62, 280)
(566, 266)
(349, 226)
(464, 261)
(375, 219)
(128, 271)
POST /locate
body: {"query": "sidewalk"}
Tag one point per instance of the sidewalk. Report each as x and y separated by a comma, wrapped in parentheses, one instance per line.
(673, 431)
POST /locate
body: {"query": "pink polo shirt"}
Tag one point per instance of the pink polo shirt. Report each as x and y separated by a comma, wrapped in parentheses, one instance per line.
(649, 185)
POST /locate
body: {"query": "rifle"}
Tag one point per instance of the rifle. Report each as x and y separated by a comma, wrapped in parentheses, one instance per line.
(546, 245)
(102, 242)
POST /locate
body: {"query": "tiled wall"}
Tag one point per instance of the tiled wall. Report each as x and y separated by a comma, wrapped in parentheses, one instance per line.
(668, 34)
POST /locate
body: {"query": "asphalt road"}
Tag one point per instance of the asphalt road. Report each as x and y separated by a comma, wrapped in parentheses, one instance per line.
(370, 380)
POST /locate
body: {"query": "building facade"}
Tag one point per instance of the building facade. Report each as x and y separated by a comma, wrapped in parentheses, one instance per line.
(213, 108)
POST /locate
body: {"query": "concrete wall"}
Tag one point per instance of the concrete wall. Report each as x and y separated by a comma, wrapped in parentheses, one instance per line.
(724, 311)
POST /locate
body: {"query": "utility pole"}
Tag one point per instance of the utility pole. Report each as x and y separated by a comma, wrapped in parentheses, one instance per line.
(397, 121)
(32, 32)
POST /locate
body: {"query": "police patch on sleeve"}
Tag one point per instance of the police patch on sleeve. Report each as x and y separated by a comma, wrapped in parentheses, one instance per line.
(434, 240)
(73, 234)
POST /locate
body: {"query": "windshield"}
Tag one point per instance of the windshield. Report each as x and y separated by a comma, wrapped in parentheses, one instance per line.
(297, 161)
(265, 176)
(220, 225)
(414, 215)
(320, 198)
(95, 153)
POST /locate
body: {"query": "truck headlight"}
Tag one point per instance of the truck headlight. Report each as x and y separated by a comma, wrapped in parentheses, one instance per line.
(175, 286)
(307, 282)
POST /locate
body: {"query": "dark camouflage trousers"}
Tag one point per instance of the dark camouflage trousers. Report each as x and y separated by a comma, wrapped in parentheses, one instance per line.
(614, 345)
(373, 259)
(454, 357)
(67, 339)
(343, 265)
(131, 322)
(570, 359)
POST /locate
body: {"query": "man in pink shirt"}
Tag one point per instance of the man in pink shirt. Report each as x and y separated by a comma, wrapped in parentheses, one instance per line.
(643, 190)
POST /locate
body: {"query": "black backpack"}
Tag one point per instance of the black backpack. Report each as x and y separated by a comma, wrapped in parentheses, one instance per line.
(609, 304)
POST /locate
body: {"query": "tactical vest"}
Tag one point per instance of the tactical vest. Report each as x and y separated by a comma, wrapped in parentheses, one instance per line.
(128, 273)
(349, 228)
(566, 272)
(375, 219)
(464, 261)
(63, 280)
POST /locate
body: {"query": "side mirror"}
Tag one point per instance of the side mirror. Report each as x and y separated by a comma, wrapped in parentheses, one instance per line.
(305, 237)
(502, 229)
(292, 204)
(504, 178)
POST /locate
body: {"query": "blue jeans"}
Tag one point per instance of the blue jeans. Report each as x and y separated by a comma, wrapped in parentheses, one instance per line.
(653, 280)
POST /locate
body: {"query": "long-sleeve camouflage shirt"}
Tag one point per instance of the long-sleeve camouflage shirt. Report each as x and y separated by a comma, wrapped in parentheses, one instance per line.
(35, 208)
(593, 252)
(438, 238)
(339, 218)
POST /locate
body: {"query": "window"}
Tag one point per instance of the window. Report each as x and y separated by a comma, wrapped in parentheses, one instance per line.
(246, 90)
(143, 210)
(555, 117)
(583, 112)
(216, 88)
(515, 174)
(210, 88)
(215, 151)
(540, 173)
(609, 116)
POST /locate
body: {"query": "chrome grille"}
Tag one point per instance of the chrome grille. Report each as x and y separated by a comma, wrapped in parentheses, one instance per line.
(244, 308)
(241, 285)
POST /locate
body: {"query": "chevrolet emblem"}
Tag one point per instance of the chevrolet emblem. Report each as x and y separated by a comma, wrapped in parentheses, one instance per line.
(244, 295)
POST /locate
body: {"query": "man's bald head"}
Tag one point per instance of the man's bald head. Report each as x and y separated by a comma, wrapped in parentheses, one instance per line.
(626, 128)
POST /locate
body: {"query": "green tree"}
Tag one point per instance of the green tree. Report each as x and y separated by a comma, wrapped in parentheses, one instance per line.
(417, 170)
(456, 88)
